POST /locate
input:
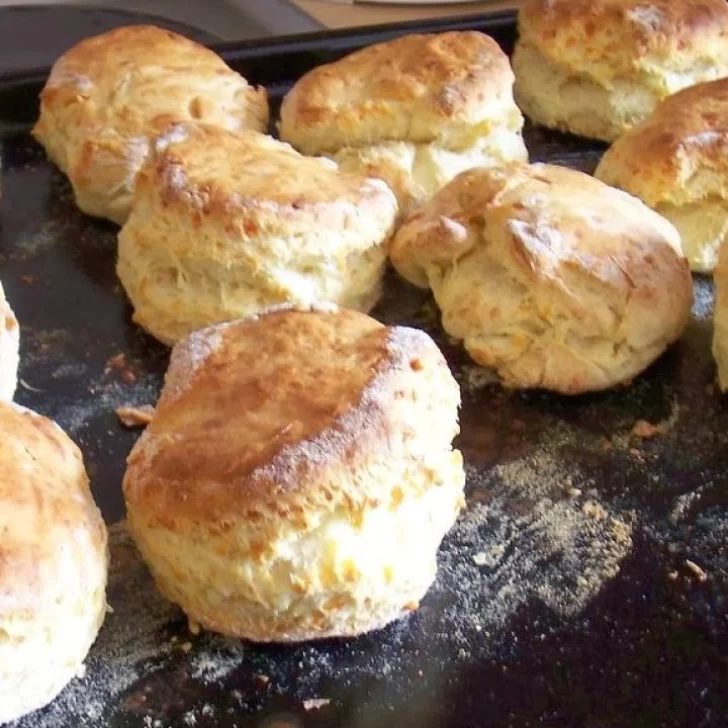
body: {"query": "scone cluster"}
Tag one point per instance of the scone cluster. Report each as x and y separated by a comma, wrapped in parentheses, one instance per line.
(299, 474)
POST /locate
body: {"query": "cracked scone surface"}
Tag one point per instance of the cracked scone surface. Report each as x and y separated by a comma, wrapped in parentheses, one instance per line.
(676, 161)
(414, 111)
(597, 67)
(109, 96)
(9, 349)
(298, 475)
(550, 277)
(225, 225)
(53, 562)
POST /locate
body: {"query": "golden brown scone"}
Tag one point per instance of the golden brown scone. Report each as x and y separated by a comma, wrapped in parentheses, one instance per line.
(53, 562)
(298, 475)
(414, 111)
(9, 349)
(550, 277)
(598, 67)
(109, 96)
(676, 161)
(720, 318)
(224, 225)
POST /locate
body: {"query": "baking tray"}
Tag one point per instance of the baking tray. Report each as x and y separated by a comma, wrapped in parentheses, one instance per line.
(585, 585)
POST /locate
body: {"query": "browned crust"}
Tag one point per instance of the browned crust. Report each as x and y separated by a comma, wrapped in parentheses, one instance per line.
(415, 88)
(254, 187)
(619, 35)
(278, 415)
(47, 514)
(658, 159)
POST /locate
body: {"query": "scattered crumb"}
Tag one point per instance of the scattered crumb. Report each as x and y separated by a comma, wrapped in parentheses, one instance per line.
(186, 647)
(135, 416)
(480, 559)
(193, 627)
(118, 361)
(128, 376)
(645, 430)
(594, 510)
(574, 492)
(672, 575)
(208, 710)
(696, 571)
(261, 681)
(315, 703)
(189, 718)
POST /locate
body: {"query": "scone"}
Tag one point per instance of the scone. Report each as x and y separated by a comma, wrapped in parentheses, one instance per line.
(298, 475)
(414, 111)
(598, 67)
(550, 277)
(53, 562)
(224, 225)
(109, 96)
(9, 349)
(677, 162)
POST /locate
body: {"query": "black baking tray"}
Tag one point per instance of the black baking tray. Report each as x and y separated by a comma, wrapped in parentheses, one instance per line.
(585, 585)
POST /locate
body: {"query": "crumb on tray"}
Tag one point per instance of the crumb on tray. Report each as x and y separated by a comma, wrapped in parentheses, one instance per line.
(315, 703)
(645, 430)
(130, 416)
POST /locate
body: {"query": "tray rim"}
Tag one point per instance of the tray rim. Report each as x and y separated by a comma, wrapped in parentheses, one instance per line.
(337, 39)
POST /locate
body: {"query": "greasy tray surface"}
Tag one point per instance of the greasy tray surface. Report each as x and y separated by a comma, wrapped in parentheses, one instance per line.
(585, 585)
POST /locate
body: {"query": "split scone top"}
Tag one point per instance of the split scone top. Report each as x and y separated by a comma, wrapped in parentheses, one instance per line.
(53, 562)
(9, 349)
(298, 475)
(414, 111)
(550, 277)
(598, 67)
(677, 162)
(109, 96)
(224, 225)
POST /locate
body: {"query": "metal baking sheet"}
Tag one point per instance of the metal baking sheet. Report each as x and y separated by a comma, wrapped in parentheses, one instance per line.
(585, 585)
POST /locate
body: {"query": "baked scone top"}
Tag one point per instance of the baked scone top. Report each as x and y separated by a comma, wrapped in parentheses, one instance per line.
(608, 39)
(550, 220)
(49, 522)
(136, 80)
(680, 153)
(451, 87)
(280, 415)
(259, 189)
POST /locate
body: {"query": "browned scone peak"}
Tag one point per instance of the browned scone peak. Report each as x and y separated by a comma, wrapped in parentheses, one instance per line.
(418, 88)
(227, 393)
(611, 38)
(222, 175)
(658, 159)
